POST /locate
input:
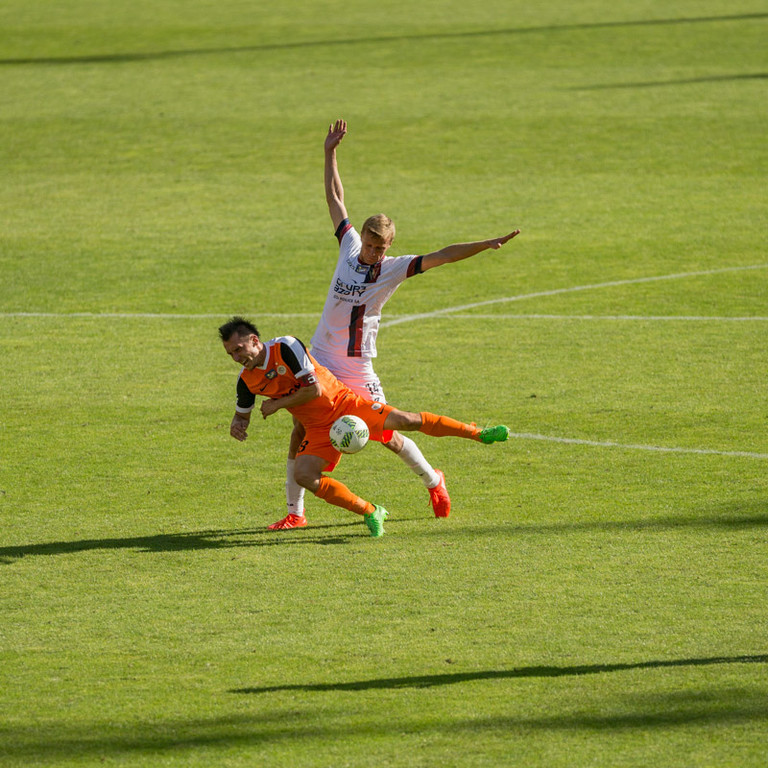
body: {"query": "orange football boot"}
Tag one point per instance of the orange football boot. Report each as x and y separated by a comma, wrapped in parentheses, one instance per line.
(439, 498)
(290, 521)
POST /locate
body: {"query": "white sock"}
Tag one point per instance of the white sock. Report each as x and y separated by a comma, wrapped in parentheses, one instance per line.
(294, 493)
(414, 458)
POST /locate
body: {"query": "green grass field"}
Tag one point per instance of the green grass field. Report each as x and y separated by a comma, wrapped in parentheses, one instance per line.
(599, 595)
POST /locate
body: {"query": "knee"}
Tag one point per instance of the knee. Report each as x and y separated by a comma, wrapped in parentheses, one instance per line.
(395, 444)
(306, 477)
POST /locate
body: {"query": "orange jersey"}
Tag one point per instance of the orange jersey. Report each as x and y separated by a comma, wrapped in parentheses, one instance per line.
(288, 367)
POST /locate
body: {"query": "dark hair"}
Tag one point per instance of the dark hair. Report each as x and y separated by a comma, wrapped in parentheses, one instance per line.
(237, 326)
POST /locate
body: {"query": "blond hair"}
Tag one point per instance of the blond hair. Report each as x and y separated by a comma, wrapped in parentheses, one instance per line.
(380, 226)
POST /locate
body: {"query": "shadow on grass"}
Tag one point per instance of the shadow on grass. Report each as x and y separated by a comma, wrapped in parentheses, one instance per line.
(429, 681)
(293, 736)
(193, 540)
(743, 520)
(120, 58)
(664, 711)
(337, 534)
(661, 83)
(733, 518)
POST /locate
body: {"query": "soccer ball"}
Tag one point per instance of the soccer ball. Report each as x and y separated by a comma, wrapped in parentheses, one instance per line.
(349, 434)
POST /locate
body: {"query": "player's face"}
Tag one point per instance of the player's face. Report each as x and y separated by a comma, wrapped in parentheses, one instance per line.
(245, 350)
(373, 249)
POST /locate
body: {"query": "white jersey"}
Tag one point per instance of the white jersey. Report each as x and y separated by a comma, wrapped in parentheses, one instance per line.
(356, 372)
(350, 321)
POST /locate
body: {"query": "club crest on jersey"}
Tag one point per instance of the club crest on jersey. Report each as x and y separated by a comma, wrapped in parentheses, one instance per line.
(281, 370)
(375, 406)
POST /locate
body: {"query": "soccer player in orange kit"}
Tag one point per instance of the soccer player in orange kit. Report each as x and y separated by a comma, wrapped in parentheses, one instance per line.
(282, 371)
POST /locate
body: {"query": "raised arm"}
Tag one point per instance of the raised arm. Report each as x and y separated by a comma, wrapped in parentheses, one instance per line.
(460, 251)
(334, 191)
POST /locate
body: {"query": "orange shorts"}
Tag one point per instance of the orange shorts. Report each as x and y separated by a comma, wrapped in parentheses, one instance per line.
(317, 442)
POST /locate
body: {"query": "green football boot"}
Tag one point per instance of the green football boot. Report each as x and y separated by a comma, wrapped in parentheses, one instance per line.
(375, 521)
(494, 434)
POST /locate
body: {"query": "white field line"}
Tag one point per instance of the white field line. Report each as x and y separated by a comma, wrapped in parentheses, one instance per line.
(455, 312)
(572, 289)
(397, 319)
(685, 318)
(635, 447)
(149, 315)
(404, 318)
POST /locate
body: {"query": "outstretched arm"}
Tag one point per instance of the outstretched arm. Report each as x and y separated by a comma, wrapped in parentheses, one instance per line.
(460, 251)
(334, 191)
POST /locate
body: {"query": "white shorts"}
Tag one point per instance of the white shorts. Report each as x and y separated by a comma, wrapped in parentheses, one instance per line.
(356, 372)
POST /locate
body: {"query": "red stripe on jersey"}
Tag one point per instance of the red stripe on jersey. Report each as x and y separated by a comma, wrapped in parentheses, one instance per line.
(342, 229)
(414, 268)
(355, 344)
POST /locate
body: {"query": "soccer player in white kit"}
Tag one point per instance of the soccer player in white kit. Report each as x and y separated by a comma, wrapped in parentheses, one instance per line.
(345, 338)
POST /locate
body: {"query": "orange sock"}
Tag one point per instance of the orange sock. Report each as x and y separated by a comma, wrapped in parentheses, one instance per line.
(443, 426)
(337, 493)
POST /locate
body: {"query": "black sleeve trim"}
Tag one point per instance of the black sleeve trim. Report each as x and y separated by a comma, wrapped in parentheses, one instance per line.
(414, 268)
(287, 354)
(245, 398)
(341, 229)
